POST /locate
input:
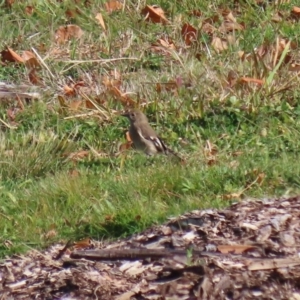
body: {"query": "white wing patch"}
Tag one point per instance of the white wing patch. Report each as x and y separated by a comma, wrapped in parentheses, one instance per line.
(157, 142)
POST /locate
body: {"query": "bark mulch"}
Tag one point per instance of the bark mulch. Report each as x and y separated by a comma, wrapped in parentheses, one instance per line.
(247, 251)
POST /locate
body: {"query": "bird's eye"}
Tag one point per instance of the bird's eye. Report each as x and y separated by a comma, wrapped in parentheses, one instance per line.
(132, 115)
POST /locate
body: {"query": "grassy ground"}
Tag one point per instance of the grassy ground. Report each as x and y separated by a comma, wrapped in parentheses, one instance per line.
(59, 176)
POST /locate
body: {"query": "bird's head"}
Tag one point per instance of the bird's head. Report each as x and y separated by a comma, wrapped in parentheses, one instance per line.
(134, 115)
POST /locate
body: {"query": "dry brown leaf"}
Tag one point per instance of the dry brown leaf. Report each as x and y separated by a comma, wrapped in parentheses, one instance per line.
(232, 78)
(231, 196)
(128, 145)
(34, 78)
(113, 5)
(89, 104)
(125, 146)
(62, 101)
(251, 80)
(51, 234)
(237, 153)
(260, 178)
(100, 20)
(154, 14)
(118, 95)
(295, 12)
(75, 104)
(9, 3)
(219, 45)
(167, 43)
(12, 113)
(195, 13)
(69, 91)
(128, 138)
(83, 244)
(210, 148)
(294, 67)
(277, 17)
(208, 28)
(65, 33)
(109, 218)
(10, 55)
(29, 10)
(234, 249)
(189, 33)
(79, 155)
(228, 15)
(71, 13)
(73, 89)
(74, 173)
(30, 60)
(230, 24)
(168, 86)
(113, 80)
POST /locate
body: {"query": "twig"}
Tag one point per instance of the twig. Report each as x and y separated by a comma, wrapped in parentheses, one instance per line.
(103, 61)
(133, 254)
(42, 62)
(7, 125)
(92, 113)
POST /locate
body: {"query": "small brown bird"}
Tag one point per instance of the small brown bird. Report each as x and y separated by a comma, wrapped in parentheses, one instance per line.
(143, 135)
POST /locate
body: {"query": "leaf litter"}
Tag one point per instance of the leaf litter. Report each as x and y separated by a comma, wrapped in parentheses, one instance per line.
(247, 251)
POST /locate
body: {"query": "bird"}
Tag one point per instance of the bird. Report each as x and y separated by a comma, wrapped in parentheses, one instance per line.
(144, 136)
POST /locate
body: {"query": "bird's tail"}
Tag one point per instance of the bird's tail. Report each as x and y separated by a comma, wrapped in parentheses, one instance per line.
(168, 150)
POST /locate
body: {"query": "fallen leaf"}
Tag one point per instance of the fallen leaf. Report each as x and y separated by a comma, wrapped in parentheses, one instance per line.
(71, 13)
(51, 234)
(9, 3)
(74, 173)
(294, 67)
(65, 33)
(154, 14)
(10, 55)
(30, 60)
(167, 43)
(29, 10)
(124, 99)
(189, 33)
(34, 78)
(195, 13)
(219, 45)
(232, 78)
(252, 80)
(100, 20)
(83, 244)
(75, 104)
(231, 196)
(69, 91)
(62, 101)
(79, 155)
(109, 218)
(234, 249)
(113, 5)
(295, 12)
(73, 89)
(125, 146)
(127, 135)
(208, 28)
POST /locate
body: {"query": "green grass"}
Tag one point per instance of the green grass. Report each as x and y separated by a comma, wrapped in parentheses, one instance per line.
(46, 196)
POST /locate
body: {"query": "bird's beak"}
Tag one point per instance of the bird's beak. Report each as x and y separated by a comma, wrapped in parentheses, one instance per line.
(125, 114)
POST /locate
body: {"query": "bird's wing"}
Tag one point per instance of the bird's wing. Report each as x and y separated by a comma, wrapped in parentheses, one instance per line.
(158, 143)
